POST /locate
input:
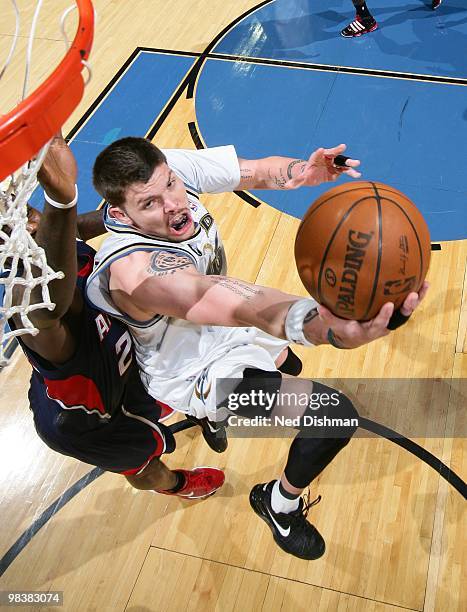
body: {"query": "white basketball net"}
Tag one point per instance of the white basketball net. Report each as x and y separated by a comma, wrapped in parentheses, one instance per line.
(22, 263)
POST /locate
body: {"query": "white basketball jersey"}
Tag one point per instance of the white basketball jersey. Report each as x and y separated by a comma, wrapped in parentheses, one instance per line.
(169, 348)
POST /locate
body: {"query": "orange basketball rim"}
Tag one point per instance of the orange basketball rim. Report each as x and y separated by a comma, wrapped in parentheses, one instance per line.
(33, 122)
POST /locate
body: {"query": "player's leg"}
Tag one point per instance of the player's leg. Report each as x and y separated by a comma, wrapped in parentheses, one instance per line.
(192, 484)
(146, 439)
(157, 476)
(130, 443)
(363, 23)
(279, 501)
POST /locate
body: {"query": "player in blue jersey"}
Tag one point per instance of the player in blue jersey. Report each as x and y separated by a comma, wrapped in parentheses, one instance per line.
(86, 395)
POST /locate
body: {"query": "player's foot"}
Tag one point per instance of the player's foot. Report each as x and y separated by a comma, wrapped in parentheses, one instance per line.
(214, 433)
(292, 532)
(166, 411)
(359, 26)
(199, 482)
(435, 4)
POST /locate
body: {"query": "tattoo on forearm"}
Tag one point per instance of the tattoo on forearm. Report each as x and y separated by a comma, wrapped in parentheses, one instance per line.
(292, 164)
(279, 181)
(235, 286)
(246, 173)
(163, 263)
(310, 316)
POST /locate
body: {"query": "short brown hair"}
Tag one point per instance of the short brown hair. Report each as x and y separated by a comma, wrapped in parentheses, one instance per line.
(124, 162)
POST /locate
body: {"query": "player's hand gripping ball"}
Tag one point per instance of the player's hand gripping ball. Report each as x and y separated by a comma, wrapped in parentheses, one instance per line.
(360, 245)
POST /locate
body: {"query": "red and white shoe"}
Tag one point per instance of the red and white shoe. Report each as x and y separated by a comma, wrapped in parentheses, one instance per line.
(435, 4)
(166, 411)
(358, 27)
(200, 482)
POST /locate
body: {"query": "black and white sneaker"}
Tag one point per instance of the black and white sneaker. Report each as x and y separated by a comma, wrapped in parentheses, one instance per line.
(435, 4)
(292, 532)
(358, 27)
(214, 433)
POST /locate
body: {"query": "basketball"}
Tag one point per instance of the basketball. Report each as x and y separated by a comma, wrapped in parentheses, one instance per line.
(360, 245)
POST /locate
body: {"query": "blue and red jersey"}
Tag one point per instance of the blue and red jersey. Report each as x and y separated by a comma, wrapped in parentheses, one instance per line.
(80, 404)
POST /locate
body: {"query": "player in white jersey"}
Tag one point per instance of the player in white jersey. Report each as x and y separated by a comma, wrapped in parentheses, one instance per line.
(162, 272)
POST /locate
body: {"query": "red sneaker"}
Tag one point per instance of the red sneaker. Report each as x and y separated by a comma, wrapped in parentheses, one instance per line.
(358, 27)
(200, 482)
(166, 411)
(435, 4)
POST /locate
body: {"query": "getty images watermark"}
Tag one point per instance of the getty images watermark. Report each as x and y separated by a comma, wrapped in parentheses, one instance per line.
(268, 407)
(392, 408)
(296, 407)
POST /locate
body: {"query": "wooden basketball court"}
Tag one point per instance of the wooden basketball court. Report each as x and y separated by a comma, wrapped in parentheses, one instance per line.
(394, 525)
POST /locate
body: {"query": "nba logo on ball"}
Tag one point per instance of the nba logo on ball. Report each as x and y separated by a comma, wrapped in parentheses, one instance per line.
(361, 245)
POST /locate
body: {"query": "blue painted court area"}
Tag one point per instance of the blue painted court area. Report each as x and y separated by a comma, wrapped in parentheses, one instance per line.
(406, 132)
(411, 38)
(389, 124)
(130, 109)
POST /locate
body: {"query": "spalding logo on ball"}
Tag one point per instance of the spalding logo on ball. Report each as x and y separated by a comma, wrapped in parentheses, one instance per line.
(360, 245)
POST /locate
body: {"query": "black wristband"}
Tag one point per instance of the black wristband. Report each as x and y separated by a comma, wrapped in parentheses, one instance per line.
(333, 341)
(397, 320)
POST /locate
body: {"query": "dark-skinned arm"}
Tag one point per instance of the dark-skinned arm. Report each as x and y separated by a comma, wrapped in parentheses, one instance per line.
(57, 236)
(91, 224)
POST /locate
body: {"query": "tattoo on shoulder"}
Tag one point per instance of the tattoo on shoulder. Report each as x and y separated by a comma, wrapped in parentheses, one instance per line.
(292, 164)
(163, 263)
(244, 290)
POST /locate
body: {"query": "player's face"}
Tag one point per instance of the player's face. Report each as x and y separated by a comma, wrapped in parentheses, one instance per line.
(159, 207)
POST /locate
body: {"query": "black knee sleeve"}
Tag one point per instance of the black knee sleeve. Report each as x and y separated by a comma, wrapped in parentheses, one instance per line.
(309, 456)
(323, 433)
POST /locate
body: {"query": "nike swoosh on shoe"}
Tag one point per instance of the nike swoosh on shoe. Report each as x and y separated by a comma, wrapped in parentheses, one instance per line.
(284, 532)
(213, 429)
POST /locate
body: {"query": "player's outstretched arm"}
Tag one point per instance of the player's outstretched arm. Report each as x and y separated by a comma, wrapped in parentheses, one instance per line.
(56, 234)
(164, 284)
(324, 165)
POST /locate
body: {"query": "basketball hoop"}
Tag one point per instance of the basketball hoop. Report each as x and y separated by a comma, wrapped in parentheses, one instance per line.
(25, 133)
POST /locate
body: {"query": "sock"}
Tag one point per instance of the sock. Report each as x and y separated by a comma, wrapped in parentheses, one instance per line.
(282, 500)
(363, 12)
(181, 482)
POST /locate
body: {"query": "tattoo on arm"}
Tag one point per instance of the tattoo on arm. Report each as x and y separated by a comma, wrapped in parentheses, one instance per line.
(310, 316)
(246, 173)
(235, 286)
(279, 181)
(163, 263)
(292, 164)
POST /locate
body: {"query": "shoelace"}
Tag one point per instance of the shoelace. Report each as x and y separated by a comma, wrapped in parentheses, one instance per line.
(298, 518)
(307, 504)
